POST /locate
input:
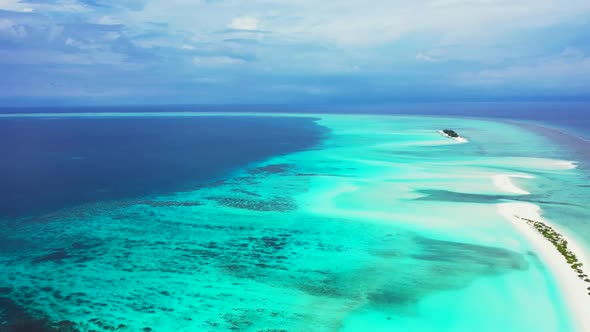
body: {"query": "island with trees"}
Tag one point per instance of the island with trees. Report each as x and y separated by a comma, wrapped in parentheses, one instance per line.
(449, 133)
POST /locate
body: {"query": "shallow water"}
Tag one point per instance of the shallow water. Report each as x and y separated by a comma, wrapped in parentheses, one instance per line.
(386, 225)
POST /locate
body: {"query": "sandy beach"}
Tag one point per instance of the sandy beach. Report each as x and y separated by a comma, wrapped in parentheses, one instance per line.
(573, 288)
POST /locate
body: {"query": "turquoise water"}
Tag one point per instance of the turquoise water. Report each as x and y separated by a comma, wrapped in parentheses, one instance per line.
(386, 225)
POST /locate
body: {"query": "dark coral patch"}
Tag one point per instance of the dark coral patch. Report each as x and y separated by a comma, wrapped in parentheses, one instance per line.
(280, 204)
(270, 169)
(169, 203)
(14, 318)
(5, 290)
(56, 256)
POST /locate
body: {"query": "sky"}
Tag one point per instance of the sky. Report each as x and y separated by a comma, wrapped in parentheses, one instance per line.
(292, 51)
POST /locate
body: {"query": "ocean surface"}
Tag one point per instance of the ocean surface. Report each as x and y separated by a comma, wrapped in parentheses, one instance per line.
(572, 116)
(324, 222)
(49, 163)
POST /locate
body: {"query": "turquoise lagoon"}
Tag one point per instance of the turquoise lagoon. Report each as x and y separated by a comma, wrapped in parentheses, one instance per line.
(384, 226)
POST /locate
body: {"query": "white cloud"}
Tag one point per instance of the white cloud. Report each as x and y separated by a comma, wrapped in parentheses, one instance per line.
(10, 28)
(244, 23)
(35, 57)
(58, 6)
(209, 80)
(86, 45)
(216, 61)
(570, 68)
(111, 35)
(427, 58)
(54, 32)
(321, 36)
(356, 23)
(108, 20)
(15, 6)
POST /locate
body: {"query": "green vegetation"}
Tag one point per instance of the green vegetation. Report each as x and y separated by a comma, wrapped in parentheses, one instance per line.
(561, 244)
(451, 133)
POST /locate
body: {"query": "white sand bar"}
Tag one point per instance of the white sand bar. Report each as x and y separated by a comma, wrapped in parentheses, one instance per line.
(572, 287)
(503, 182)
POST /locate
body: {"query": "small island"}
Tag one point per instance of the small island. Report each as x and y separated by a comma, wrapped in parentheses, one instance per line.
(450, 133)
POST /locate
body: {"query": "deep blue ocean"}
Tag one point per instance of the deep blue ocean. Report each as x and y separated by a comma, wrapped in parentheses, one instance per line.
(53, 163)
